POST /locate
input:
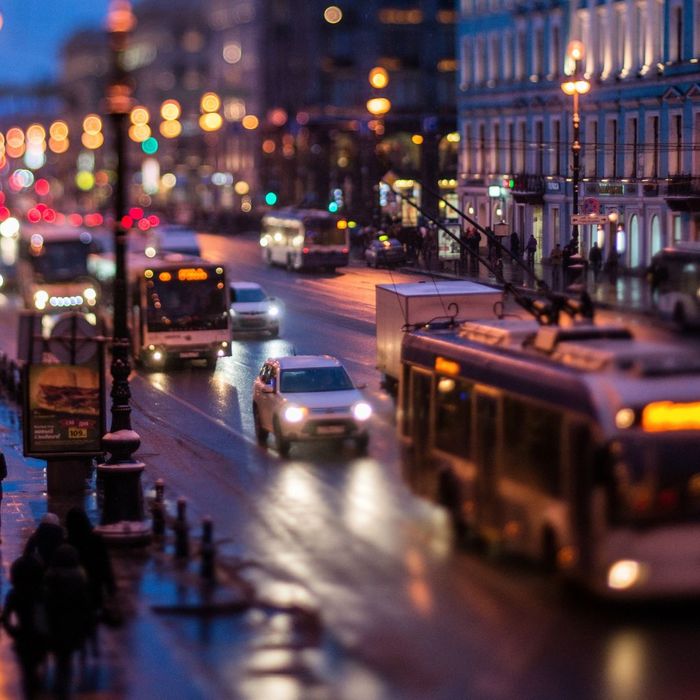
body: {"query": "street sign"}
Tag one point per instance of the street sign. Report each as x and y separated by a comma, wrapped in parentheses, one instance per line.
(73, 339)
(587, 219)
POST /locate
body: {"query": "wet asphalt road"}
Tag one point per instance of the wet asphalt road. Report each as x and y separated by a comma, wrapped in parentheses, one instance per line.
(405, 614)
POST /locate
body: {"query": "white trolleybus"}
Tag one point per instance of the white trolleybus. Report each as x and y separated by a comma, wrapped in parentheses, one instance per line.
(577, 446)
(52, 270)
(305, 239)
(179, 310)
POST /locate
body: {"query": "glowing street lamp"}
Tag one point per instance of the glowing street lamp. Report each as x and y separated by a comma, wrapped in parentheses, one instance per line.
(575, 86)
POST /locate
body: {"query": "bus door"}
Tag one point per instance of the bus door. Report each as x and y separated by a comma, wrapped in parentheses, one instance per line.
(419, 409)
(486, 454)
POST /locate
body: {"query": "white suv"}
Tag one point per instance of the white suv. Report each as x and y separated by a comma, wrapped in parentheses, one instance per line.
(308, 397)
(252, 310)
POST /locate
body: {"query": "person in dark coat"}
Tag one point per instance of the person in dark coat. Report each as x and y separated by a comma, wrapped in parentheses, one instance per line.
(44, 541)
(515, 244)
(24, 619)
(95, 560)
(595, 258)
(69, 612)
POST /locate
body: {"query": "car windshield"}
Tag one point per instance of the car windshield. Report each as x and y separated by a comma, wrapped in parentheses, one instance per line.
(315, 379)
(247, 294)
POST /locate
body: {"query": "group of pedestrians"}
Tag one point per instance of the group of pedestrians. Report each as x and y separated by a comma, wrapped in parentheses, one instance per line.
(59, 587)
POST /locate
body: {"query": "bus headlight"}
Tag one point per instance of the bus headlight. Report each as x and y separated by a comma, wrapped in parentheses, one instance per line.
(41, 296)
(157, 356)
(294, 414)
(361, 410)
(273, 311)
(623, 574)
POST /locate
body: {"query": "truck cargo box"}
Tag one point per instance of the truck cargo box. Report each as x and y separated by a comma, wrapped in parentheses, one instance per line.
(411, 303)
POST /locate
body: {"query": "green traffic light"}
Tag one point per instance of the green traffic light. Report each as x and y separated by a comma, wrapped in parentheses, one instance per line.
(149, 146)
(270, 199)
(333, 207)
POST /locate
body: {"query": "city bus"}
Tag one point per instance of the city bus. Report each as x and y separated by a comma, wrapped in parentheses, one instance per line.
(573, 446)
(305, 239)
(675, 281)
(179, 310)
(52, 270)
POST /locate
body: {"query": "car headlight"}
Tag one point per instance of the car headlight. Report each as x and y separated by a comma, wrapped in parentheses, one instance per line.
(273, 311)
(294, 414)
(41, 297)
(232, 312)
(157, 356)
(361, 410)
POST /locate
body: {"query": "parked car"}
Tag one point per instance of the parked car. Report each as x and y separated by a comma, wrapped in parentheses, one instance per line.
(305, 398)
(252, 310)
(385, 251)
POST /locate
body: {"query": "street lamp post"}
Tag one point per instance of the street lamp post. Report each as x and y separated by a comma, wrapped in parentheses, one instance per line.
(122, 503)
(575, 86)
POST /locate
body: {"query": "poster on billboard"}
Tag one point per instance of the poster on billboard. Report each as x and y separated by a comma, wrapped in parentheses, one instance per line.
(64, 409)
(448, 247)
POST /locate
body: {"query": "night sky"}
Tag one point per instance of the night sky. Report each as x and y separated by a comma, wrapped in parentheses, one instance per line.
(34, 30)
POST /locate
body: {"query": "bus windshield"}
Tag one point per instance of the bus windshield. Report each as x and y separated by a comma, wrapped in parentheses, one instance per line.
(60, 261)
(323, 232)
(185, 305)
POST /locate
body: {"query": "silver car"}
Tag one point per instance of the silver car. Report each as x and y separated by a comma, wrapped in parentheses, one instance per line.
(253, 311)
(306, 398)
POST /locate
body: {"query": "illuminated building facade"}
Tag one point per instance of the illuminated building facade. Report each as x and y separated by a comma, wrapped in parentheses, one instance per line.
(639, 123)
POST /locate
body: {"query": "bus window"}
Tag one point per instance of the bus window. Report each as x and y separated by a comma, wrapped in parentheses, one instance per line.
(453, 416)
(486, 439)
(531, 444)
(419, 406)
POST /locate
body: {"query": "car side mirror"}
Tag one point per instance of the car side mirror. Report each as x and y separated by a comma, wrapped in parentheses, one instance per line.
(268, 388)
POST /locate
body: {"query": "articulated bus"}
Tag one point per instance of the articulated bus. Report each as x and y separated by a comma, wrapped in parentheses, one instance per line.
(179, 310)
(305, 239)
(52, 270)
(576, 446)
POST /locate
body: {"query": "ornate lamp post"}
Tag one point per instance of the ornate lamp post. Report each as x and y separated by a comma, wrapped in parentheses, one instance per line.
(378, 107)
(122, 507)
(575, 86)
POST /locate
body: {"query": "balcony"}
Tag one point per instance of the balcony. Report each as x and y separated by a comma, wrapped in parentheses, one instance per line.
(683, 193)
(528, 189)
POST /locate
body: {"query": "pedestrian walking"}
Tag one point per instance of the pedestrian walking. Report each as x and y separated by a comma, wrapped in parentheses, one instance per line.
(69, 613)
(595, 258)
(95, 560)
(531, 247)
(556, 258)
(24, 619)
(3, 476)
(612, 264)
(474, 241)
(44, 541)
(515, 245)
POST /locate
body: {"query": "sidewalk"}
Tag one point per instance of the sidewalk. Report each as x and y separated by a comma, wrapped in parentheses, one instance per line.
(142, 658)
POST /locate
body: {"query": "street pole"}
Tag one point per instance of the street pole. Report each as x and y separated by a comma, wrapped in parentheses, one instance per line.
(122, 502)
(576, 167)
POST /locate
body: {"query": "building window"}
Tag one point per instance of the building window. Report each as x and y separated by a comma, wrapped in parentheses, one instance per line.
(467, 63)
(479, 68)
(651, 147)
(521, 56)
(590, 149)
(494, 53)
(538, 53)
(508, 56)
(676, 34)
(510, 165)
(522, 147)
(468, 152)
(556, 53)
(539, 145)
(631, 147)
(555, 167)
(675, 155)
(497, 155)
(482, 164)
(610, 169)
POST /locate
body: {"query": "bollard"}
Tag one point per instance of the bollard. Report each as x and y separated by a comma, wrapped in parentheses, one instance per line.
(181, 528)
(158, 510)
(208, 550)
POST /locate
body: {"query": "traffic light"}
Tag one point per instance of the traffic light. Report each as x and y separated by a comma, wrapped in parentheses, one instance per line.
(270, 199)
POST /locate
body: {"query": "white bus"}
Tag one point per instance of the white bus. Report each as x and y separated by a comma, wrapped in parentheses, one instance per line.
(305, 239)
(52, 269)
(574, 446)
(675, 282)
(179, 310)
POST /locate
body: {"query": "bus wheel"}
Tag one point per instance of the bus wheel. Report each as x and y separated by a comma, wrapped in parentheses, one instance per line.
(679, 315)
(283, 445)
(260, 432)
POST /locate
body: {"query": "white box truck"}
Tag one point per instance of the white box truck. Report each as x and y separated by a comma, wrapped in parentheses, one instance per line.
(399, 307)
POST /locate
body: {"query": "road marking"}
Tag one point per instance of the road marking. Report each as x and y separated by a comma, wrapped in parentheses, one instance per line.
(194, 408)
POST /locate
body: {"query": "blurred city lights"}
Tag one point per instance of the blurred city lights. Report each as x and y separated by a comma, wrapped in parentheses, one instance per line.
(92, 124)
(378, 105)
(85, 180)
(58, 130)
(170, 110)
(232, 52)
(139, 115)
(210, 102)
(149, 146)
(378, 77)
(250, 121)
(333, 14)
(210, 121)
